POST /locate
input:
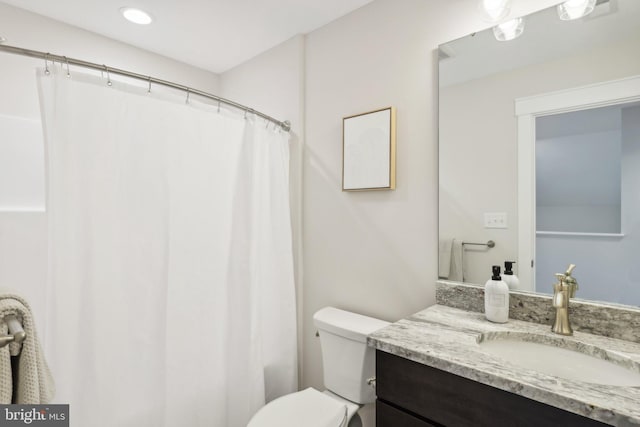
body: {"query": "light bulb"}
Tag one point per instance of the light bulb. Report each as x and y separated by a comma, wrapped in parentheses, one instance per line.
(495, 10)
(575, 9)
(509, 30)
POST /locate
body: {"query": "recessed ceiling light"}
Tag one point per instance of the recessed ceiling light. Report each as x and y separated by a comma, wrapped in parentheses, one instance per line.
(136, 16)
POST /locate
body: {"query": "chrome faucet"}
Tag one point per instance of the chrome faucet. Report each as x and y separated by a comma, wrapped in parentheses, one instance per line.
(563, 291)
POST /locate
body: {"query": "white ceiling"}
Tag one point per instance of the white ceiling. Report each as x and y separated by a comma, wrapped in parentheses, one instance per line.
(215, 35)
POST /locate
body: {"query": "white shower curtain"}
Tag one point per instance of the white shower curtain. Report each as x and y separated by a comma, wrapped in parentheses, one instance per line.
(170, 299)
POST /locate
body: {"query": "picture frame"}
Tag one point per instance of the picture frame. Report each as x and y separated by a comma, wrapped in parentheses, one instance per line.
(369, 151)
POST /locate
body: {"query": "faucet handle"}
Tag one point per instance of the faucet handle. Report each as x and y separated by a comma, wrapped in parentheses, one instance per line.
(568, 278)
(571, 281)
(569, 270)
(565, 279)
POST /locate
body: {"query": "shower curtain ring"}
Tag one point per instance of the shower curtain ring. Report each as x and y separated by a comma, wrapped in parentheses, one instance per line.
(218, 106)
(188, 93)
(108, 75)
(149, 89)
(245, 113)
(66, 60)
(46, 65)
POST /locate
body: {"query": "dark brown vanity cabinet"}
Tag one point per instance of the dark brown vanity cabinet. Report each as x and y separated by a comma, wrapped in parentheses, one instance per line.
(411, 394)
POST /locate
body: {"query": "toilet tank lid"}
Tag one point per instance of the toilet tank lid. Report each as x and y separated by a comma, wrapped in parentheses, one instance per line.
(347, 324)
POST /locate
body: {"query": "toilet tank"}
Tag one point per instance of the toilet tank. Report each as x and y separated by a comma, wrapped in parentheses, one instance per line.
(347, 361)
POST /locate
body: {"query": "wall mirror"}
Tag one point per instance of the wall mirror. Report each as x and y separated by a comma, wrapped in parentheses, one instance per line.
(539, 145)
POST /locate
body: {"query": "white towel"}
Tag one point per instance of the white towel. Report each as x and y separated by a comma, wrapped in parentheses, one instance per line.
(444, 260)
(450, 261)
(456, 272)
(34, 383)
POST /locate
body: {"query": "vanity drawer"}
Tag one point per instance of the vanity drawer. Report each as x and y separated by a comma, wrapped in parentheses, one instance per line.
(387, 415)
(450, 400)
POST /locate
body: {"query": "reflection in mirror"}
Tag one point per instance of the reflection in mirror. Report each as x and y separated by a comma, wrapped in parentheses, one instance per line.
(578, 171)
(587, 181)
(581, 202)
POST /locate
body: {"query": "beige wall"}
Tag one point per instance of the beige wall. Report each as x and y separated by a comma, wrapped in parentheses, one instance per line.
(375, 252)
(370, 252)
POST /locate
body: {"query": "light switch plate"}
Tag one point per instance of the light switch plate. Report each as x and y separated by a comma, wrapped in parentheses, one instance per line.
(495, 220)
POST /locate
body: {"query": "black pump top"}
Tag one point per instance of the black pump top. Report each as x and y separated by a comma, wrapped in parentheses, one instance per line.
(496, 273)
(508, 265)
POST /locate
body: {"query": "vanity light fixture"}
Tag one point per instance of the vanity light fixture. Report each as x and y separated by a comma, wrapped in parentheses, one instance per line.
(495, 10)
(575, 9)
(136, 16)
(509, 30)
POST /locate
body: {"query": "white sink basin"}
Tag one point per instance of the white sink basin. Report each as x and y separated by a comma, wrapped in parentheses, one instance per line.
(564, 358)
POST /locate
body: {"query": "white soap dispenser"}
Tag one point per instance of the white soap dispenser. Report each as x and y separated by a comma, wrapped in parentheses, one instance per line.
(508, 277)
(496, 298)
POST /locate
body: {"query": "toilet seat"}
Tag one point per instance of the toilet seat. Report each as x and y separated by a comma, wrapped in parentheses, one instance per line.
(309, 407)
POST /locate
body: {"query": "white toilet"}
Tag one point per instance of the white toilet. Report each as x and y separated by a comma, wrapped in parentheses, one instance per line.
(348, 364)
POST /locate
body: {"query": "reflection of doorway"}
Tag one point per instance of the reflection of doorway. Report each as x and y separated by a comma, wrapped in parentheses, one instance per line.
(587, 182)
(527, 111)
(578, 172)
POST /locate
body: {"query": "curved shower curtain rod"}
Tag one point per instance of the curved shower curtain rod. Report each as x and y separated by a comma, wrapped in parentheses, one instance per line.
(285, 125)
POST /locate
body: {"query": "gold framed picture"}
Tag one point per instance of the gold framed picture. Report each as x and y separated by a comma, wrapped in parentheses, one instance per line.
(369, 151)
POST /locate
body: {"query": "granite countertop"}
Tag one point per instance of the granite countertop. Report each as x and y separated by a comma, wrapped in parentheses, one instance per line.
(447, 338)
